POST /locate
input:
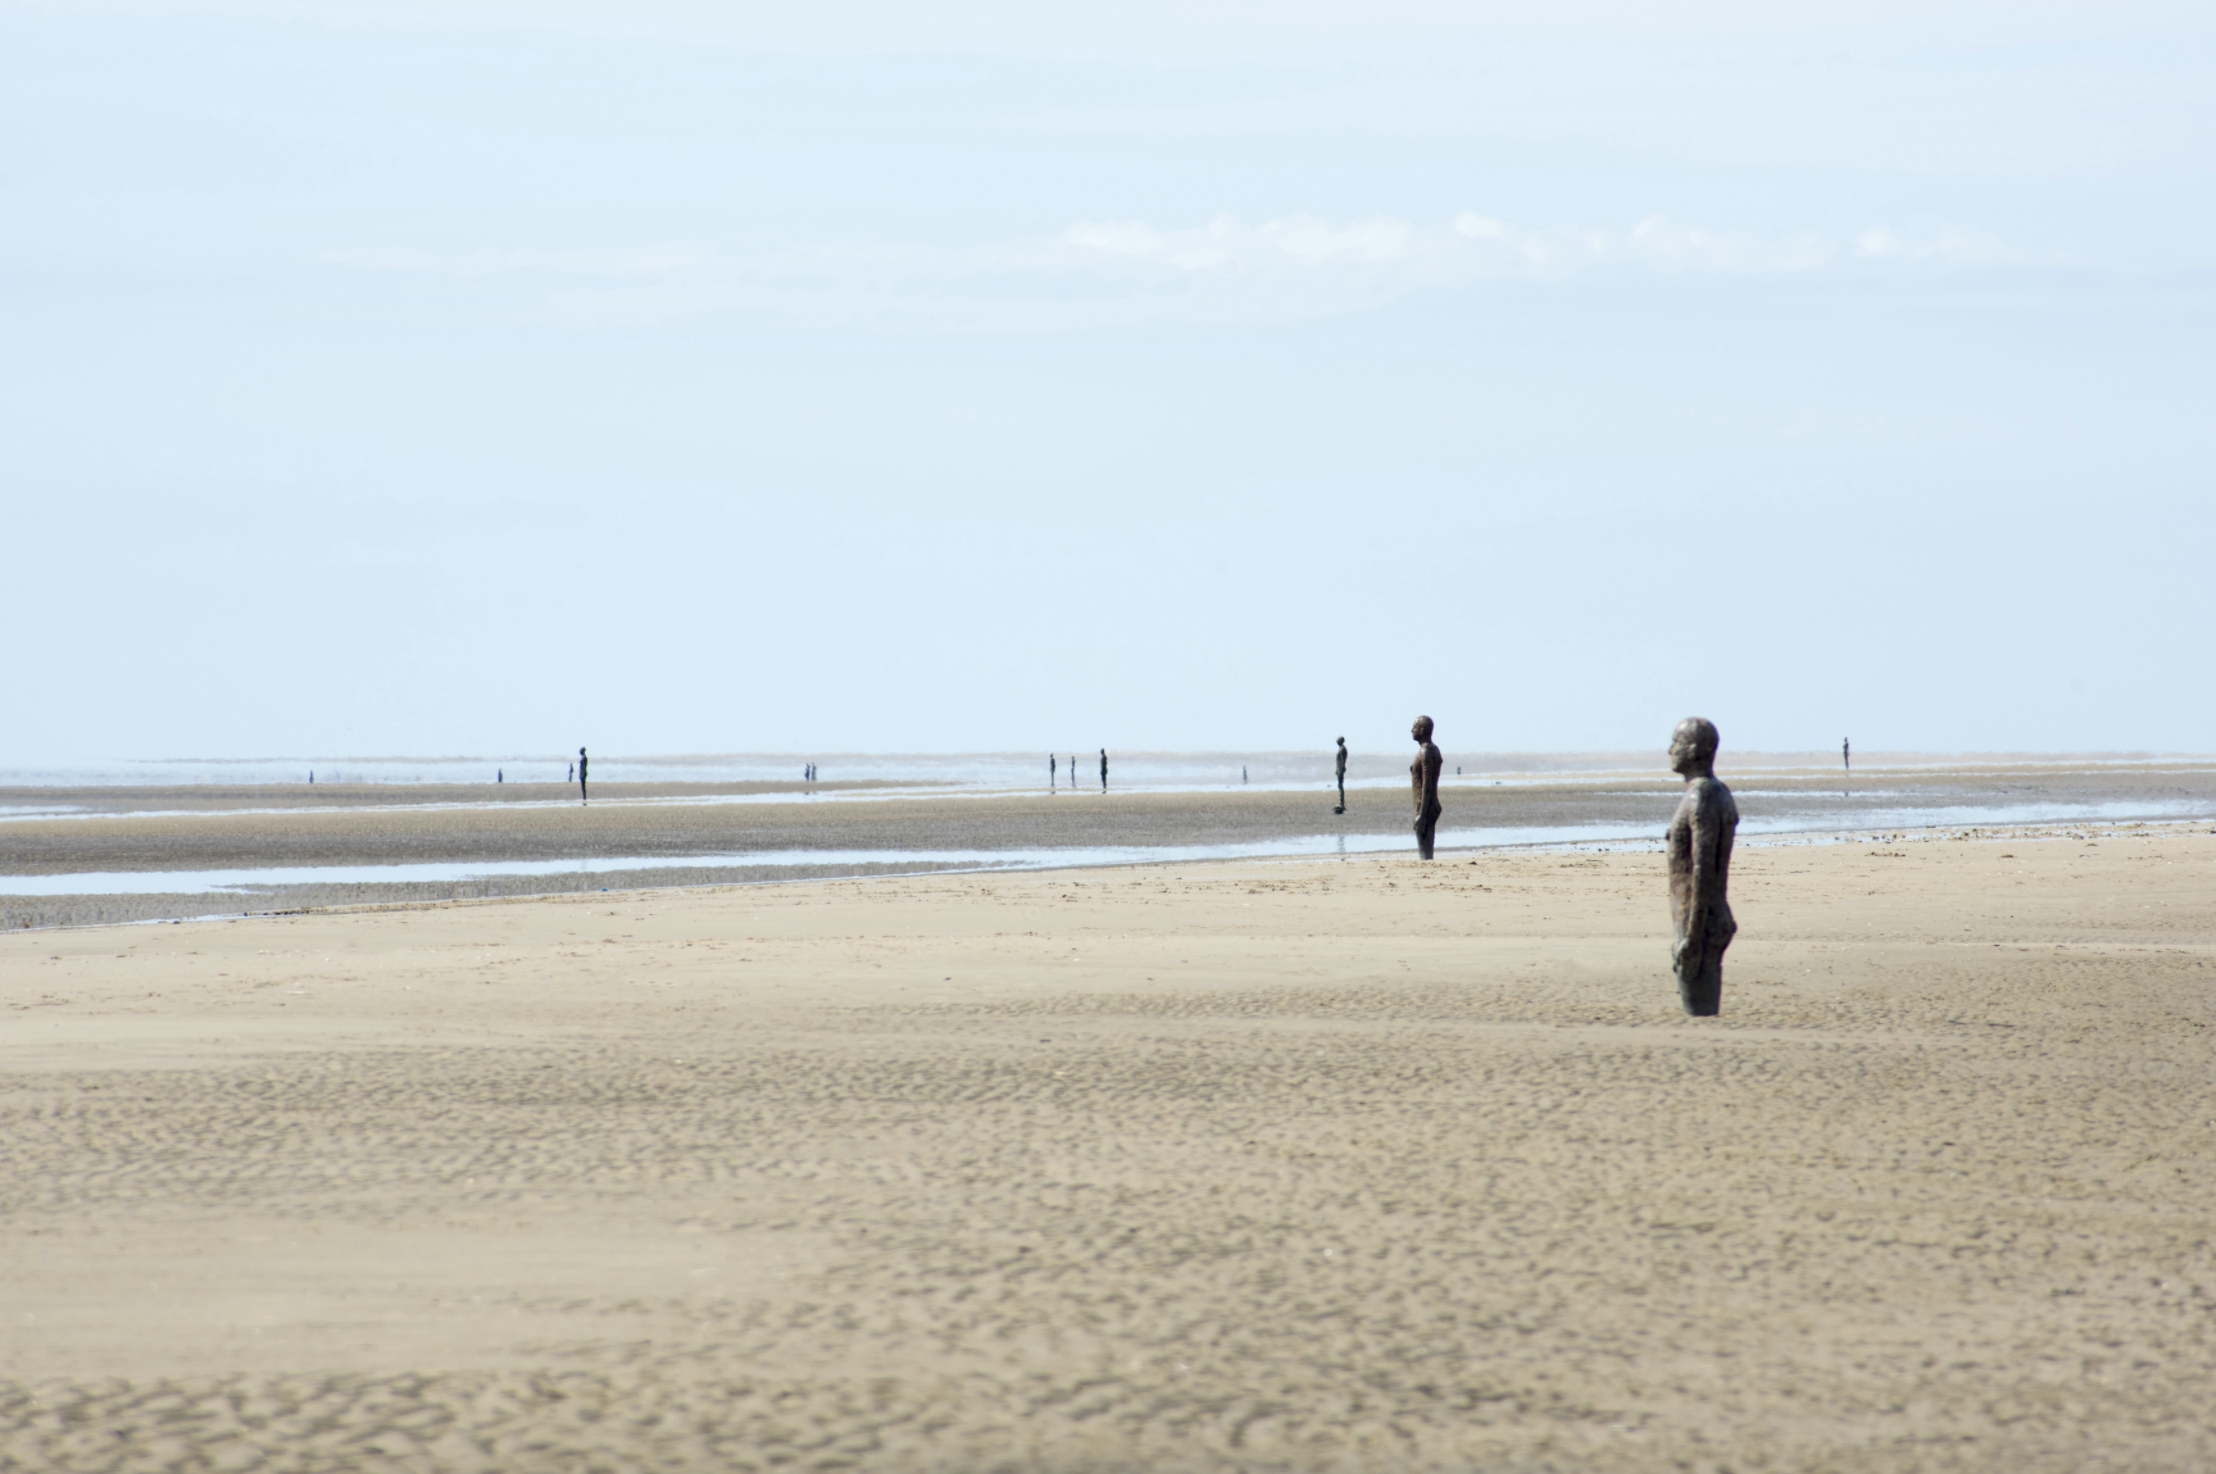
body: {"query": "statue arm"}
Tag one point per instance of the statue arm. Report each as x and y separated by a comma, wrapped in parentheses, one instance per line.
(1705, 894)
(1703, 882)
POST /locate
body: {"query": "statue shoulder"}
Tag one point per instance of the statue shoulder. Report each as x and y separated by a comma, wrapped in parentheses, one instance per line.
(1706, 798)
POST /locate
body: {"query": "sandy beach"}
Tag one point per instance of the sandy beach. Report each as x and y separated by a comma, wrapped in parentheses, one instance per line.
(1300, 1165)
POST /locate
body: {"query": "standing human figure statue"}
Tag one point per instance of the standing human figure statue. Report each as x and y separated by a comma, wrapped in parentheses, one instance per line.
(1104, 770)
(1846, 757)
(1700, 869)
(1423, 779)
(1342, 777)
(582, 794)
(1053, 777)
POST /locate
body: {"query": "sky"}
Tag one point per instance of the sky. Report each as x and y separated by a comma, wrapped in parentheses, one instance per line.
(494, 376)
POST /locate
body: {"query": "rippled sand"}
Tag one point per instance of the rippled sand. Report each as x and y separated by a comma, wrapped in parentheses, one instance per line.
(1317, 1165)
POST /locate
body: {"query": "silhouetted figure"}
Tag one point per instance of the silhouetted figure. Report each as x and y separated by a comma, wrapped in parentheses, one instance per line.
(1242, 772)
(311, 776)
(1700, 869)
(583, 796)
(1052, 777)
(499, 775)
(1846, 755)
(1423, 779)
(1342, 777)
(1104, 770)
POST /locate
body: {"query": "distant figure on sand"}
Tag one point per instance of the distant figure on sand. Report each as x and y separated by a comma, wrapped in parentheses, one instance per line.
(1342, 777)
(1104, 770)
(583, 796)
(1846, 757)
(1700, 869)
(1051, 776)
(1423, 778)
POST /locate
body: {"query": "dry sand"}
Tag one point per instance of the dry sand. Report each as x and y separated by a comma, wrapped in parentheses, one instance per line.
(1357, 1165)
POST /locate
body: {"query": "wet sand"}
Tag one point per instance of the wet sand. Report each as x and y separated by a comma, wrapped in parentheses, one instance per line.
(1297, 1166)
(667, 833)
(220, 798)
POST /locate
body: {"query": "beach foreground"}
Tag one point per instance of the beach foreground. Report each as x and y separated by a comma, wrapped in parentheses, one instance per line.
(1360, 1164)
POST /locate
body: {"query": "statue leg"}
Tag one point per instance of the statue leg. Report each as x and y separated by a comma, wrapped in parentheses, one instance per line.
(1700, 979)
(1427, 829)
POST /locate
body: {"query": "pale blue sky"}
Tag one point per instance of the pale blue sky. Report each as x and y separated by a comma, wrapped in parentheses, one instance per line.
(492, 377)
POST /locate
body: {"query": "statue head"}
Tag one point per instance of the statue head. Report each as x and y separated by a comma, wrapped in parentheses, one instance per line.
(1421, 731)
(1693, 746)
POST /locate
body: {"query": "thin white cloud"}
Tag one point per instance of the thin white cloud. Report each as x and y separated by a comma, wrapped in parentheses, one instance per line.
(1107, 270)
(1472, 247)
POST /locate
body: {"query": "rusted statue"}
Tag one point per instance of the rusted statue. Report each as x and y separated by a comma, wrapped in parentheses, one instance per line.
(1342, 808)
(1700, 869)
(1423, 779)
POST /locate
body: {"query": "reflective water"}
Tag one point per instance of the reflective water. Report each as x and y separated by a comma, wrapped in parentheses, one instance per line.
(818, 862)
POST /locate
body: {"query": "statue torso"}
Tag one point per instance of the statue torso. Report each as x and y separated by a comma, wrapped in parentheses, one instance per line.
(1423, 775)
(1702, 831)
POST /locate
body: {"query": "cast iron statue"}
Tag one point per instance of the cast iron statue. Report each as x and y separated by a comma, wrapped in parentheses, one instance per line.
(1423, 778)
(1342, 777)
(1700, 869)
